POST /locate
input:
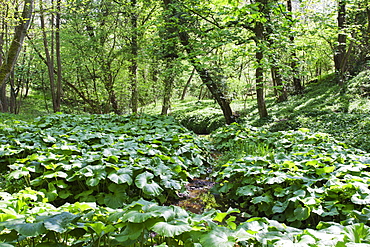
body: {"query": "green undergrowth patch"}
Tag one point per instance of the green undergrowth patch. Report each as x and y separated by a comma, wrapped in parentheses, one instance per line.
(106, 159)
(202, 117)
(26, 219)
(323, 107)
(107, 180)
(298, 177)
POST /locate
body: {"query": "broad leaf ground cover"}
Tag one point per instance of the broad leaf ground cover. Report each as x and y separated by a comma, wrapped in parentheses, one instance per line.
(106, 180)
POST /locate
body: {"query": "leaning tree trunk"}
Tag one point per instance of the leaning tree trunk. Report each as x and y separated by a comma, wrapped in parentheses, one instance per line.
(16, 45)
(214, 87)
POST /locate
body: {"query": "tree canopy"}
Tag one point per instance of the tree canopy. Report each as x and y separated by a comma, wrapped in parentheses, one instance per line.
(118, 56)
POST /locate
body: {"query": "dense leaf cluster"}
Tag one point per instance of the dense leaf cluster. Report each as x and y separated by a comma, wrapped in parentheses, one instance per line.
(108, 159)
(25, 220)
(305, 178)
(103, 180)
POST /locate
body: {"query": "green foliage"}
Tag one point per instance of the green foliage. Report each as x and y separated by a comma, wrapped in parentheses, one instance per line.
(308, 178)
(360, 84)
(105, 158)
(202, 117)
(27, 220)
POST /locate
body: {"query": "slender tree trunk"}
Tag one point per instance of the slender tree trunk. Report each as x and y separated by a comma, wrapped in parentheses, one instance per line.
(297, 83)
(133, 60)
(58, 94)
(340, 53)
(168, 85)
(13, 94)
(81, 94)
(3, 101)
(16, 45)
(215, 88)
(367, 34)
(259, 36)
(279, 88)
(187, 85)
(168, 34)
(49, 58)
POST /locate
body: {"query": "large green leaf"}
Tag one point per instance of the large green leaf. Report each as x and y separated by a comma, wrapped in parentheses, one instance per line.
(115, 200)
(171, 229)
(60, 223)
(100, 228)
(29, 229)
(219, 237)
(123, 175)
(140, 216)
(132, 231)
(150, 188)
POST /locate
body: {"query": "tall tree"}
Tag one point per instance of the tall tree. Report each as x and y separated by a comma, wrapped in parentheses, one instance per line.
(297, 84)
(258, 30)
(169, 52)
(58, 91)
(49, 49)
(209, 77)
(133, 56)
(340, 52)
(7, 66)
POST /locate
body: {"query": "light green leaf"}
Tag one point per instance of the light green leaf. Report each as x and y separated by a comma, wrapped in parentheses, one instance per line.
(248, 190)
(123, 175)
(100, 228)
(171, 229)
(259, 199)
(149, 188)
(219, 237)
(132, 231)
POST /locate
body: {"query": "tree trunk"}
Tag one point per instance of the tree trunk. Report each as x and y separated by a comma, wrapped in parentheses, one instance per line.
(297, 84)
(13, 95)
(169, 56)
(133, 60)
(49, 58)
(340, 53)
(259, 36)
(204, 74)
(187, 85)
(167, 92)
(16, 45)
(58, 94)
(214, 87)
(279, 88)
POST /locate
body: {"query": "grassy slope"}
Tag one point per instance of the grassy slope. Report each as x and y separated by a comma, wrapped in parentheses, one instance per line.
(323, 107)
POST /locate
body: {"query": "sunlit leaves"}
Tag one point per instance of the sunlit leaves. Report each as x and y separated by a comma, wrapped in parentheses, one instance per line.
(80, 157)
(302, 176)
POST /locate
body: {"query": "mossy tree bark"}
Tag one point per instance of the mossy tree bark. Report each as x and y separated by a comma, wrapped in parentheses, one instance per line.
(15, 47)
